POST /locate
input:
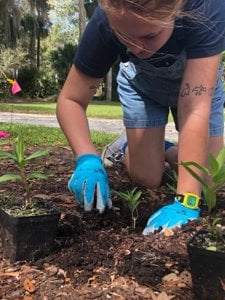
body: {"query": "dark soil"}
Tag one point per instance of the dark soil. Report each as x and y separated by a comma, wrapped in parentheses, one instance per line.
(100, 256)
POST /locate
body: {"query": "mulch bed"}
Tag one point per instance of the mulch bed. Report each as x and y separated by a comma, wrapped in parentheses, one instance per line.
(100, 256)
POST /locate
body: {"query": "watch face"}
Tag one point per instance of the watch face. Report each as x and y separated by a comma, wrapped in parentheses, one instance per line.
(191, 200)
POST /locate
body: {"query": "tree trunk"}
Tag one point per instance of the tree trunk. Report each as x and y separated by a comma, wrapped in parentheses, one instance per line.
(109, 86)
(32, 50)
(38, 50)
(82, 18)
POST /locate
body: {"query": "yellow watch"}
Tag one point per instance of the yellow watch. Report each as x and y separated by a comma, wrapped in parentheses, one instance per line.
(189, 200)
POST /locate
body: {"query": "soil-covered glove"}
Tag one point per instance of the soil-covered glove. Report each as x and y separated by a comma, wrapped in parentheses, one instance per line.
(171, 216)
(89, 182)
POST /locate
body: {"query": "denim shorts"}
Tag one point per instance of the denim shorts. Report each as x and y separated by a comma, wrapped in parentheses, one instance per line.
(147, 94)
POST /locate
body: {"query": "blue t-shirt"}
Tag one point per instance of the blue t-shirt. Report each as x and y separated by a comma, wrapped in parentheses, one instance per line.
(201, 32)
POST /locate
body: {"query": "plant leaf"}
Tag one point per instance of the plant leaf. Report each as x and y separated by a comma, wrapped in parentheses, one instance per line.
(221, 157)
(19, 149)
(137, 196)
(37, 175)
(37, 154)
(4, 154)
(173, 189)
(9, 177)
(210, 197)
(214, 165)
(219, 178)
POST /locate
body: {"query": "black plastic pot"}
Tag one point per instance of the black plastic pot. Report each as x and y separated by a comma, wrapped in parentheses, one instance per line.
(207, 271)
(28, 238)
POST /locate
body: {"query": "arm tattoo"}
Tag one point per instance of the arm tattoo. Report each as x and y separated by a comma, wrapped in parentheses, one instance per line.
(197, 90)
(186, 90)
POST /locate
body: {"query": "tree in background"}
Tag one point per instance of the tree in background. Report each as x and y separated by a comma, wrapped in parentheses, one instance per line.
(43, 37)
(35, 25)
(65, 22)
(9, 23)
(61, 60)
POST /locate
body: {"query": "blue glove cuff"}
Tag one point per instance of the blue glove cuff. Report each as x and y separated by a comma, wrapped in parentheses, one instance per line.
(89, 156)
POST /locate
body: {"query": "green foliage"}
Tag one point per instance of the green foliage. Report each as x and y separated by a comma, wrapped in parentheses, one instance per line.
(28, 78)
(21, 161)
(223, 56)
(65, 29)
(9, 24)
(36, 83)
(212, 226)
(132, 198)
(49, 136)
(215, 175)
(61, 60)
(217, 234)
(10, 60)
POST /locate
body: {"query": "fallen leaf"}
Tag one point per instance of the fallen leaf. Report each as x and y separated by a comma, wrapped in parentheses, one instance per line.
(51, 270)
(168, 232)
(92, 279)
(10, 274)
(163, 296)
(171, 278)
(29, 286)
(185, 277)
(169, 264)
(153, 295)
(26, 297)
(67, 280)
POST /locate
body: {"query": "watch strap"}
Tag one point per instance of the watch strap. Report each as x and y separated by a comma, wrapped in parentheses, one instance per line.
(189, 200)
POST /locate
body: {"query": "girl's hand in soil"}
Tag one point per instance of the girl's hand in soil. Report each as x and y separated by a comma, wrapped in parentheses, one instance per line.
(90, 181)
(170, 216)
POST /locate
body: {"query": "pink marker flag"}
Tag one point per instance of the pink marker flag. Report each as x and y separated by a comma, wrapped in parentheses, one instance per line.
(4, 134)
(15, 87)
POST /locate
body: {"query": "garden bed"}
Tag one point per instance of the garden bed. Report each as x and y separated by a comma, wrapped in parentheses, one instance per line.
(100, 256)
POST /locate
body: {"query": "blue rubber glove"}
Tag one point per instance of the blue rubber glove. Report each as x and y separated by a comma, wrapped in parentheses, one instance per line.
(170, 216)
(89, 180)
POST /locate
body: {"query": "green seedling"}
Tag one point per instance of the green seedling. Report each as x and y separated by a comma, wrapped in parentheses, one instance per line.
(23, 175)
(132, 198)
(217, 233)
(215, 175)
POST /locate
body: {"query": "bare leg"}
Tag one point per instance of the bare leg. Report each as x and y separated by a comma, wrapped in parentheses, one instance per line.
(145, 157)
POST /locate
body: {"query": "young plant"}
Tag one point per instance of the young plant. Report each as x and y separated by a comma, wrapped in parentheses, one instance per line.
(217, 232)
(21, 161)
(215, 175)
(132, 198)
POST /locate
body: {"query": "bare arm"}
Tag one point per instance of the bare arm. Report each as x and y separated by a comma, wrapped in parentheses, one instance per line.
(194, 104)
(73, 100)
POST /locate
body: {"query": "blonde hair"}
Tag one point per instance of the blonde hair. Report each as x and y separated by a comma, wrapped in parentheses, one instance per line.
(156, 11)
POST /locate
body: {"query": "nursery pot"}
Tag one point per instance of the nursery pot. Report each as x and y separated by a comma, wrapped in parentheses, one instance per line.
(207, 271)
(28, 238)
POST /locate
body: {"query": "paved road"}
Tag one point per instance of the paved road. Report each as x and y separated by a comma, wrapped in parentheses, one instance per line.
(109, 126)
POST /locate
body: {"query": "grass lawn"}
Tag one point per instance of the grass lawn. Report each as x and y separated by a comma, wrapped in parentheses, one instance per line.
(98, 109)
(48, 136)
